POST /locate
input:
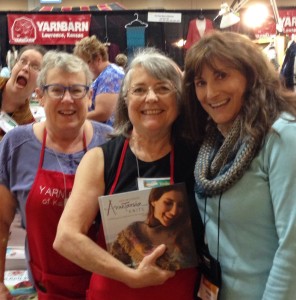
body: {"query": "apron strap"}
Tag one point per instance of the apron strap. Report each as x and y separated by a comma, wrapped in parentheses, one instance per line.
(119, 166)
(42, 149)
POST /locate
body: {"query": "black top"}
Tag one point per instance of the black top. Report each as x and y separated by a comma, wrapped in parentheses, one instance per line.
(183, 165)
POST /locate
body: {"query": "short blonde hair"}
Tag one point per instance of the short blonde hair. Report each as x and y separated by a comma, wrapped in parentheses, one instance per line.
(121, 60)
(89, 48)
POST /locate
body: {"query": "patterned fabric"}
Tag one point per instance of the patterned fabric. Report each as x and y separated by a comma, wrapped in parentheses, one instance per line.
(99, 7)
(108, 82)
(220, 162)
(137, 241)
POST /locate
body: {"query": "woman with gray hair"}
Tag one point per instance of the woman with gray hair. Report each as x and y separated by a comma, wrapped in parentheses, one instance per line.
(37, 168)
(147, 143)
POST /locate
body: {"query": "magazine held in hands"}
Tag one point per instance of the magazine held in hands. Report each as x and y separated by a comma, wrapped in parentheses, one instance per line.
(136, 222)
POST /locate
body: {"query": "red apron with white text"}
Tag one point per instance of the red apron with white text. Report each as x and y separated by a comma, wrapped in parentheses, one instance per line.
(180, 287)
(56, 278)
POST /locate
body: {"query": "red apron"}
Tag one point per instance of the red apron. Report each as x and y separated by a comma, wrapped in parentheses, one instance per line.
(180, 287)
(55, 277)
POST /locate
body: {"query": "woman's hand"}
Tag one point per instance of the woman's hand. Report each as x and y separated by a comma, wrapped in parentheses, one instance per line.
(4, 292)
(148, 273)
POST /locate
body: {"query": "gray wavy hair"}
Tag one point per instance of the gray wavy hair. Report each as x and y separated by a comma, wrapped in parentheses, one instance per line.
(69, 63)
(159, 66)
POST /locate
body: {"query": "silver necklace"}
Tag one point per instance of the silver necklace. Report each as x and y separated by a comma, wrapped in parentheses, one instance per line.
(136, 156)
(64, 177)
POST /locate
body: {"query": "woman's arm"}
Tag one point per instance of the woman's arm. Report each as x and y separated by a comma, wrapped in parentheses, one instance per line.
(104, 107)
(7, 212)
(282, 173)
(80, 212)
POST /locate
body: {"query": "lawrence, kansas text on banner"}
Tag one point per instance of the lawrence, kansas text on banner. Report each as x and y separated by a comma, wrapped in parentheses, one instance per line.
(49, 29)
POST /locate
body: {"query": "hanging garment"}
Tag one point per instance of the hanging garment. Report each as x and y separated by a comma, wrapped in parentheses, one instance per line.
(135, 38)
(197, 28)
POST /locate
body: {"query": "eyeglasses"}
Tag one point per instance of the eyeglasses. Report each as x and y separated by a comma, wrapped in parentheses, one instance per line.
(57, 91)
(33, 66)
(159, 90)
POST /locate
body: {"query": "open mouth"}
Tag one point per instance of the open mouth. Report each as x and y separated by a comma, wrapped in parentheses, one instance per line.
(22, 81)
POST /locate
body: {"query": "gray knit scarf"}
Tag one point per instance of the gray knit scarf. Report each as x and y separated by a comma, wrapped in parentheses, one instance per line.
(221, 163)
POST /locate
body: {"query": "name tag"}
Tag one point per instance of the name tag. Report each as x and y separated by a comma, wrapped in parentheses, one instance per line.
(209, 286)
(148, 183)
(6, 122)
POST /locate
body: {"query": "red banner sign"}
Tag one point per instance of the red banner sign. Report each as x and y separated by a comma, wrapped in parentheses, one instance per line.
(49, 29)
(288, 20)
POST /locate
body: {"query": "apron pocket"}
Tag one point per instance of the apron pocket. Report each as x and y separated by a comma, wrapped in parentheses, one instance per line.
(70, 287)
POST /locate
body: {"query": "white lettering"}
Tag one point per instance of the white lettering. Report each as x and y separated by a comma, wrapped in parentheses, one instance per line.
(63, 26)
(288, 21)
(41, 189)
(40, 25)
(53, 192)
(53, 35)
(75, 35)
(24, 40)
(46, 201)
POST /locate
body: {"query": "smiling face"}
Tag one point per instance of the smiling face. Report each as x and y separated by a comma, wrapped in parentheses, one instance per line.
(220, 92)
(169, 207)
(65, 113)
(25, 72)
(154, 112)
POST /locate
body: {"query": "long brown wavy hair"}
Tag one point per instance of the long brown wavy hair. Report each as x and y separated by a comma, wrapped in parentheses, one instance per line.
(265, 96)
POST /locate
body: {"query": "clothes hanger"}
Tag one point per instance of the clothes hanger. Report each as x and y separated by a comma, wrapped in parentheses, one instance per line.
(136, 20)
(201, 15)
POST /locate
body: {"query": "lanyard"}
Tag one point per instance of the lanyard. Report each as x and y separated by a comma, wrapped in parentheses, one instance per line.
(122, 156)
(204, 221)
